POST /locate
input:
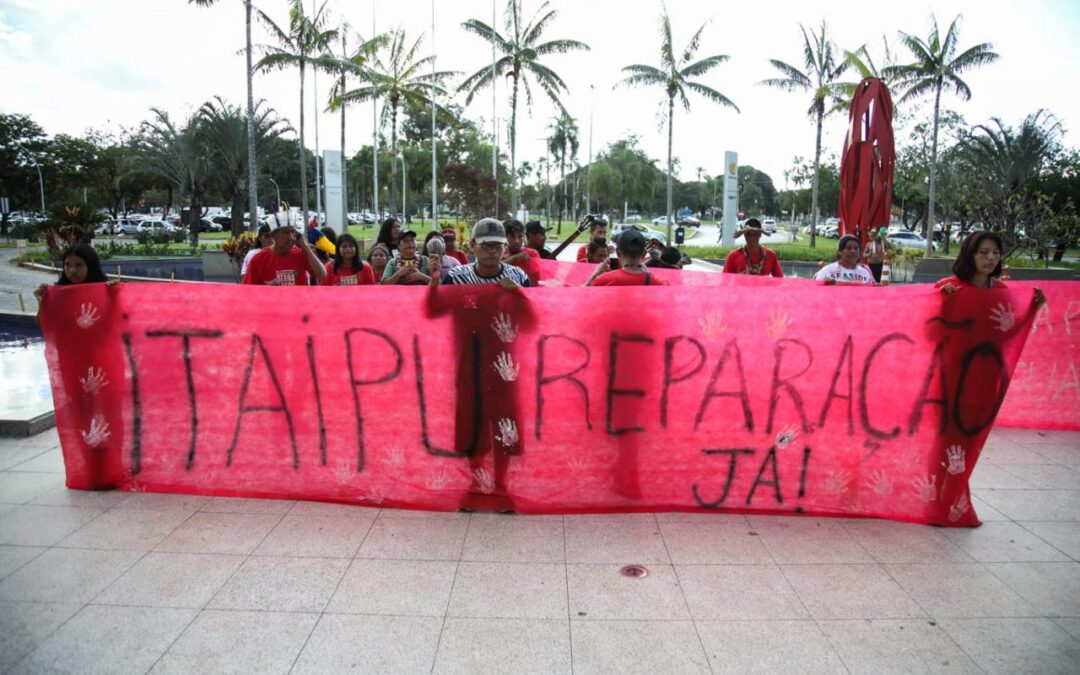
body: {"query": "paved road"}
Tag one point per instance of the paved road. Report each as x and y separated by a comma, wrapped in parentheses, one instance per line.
(15, 280)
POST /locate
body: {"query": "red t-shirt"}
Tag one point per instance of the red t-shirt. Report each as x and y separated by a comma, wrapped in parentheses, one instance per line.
(531, 265)
(290, 269)
(624, 278)
(960, 283)
(583, 253)
(737, 262)
(459, 256)
(347, 276)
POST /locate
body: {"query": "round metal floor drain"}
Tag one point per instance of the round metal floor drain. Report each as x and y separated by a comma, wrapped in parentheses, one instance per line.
(634, 571)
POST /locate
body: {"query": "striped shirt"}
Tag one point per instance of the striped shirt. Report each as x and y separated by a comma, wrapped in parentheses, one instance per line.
(467, 274)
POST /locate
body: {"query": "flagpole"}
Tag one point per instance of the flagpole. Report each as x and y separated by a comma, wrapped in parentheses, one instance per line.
(434, 151)
(315, 93)
(375, 132)
(494, 117)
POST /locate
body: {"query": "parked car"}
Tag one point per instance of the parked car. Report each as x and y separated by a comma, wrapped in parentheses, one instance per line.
(127, 225)
(829, 232)
(912, 240)
(768, 226)
(155, 226)
(648, 232)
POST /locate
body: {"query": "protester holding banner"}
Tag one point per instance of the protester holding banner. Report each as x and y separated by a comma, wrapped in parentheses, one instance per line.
(516, 252)
(378, 256)
(488, 243)
(408, 267)
(753, 258)
(389, 233)
(264, 240)
(846, 269)
(632, 272)
(81, 265)
(347, 269)
(287, 262)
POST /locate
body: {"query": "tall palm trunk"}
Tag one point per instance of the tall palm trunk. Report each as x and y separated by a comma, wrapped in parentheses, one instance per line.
(562, 172)
(815, 186)
(933, 176)
(394, 204)
(303, 153)
(513, 152)
(344, 183)
(253, 199)
(670, 163)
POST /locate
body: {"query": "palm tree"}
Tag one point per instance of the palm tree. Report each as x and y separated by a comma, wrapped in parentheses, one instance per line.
(223, 131)
(674, 76)
(401, 79)
(304, 45)
(821, 70)
(936, 67)
(563, 144)
(178, 155)
(522, 50)
(253, 200)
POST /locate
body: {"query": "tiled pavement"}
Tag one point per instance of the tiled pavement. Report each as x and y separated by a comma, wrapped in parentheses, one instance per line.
(118, 582)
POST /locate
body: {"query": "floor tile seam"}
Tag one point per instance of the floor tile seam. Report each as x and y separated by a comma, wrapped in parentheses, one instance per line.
(225, 583)
(27, 562)
(569, 608)
(686, 601)
(814, 619)
(47, 637)
(1062, 628)
(1045, 541)
(450, 596)
(1014, 589)
(367, 533)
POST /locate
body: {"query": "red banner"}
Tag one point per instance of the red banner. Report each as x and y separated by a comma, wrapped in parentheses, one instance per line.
(758, 395)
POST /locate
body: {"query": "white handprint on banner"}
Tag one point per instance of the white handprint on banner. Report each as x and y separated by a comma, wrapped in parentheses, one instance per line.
(1003, 317)
(88, 315)
(787, 436)
(837, 482)
(508, 433)
(505, 366)
(881, 483)
(98, 432)
(955, 457)
(925, 488)
(504, 327)
(94, 381)
(959, 508)
(484, 480)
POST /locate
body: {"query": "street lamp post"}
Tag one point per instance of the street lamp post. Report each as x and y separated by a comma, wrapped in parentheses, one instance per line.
(403, 209)
(278, 191)
(41, 180)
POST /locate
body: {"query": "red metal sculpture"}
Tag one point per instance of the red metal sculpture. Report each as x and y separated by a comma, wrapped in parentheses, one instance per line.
(866, 168)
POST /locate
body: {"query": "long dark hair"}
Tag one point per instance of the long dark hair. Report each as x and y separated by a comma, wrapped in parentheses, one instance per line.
(384, 233)
(357, 261)
(964, 266)
(94, 272)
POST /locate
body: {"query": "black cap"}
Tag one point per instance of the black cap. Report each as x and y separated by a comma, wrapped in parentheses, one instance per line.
(535, 227)
(264, 229)
(405, 232)
(631, 242)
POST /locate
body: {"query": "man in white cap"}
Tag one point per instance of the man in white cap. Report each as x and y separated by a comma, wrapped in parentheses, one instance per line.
(488, 244)
(286, 262)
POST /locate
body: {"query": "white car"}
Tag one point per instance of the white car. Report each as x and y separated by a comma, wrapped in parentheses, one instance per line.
(768, 226)
(155, 226)
(912, 240)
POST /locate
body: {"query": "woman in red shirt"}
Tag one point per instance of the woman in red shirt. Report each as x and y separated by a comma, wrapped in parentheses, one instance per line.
(347, 269)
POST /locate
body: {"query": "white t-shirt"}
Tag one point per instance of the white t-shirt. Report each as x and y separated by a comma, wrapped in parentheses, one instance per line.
(860, 275)
(247, 259)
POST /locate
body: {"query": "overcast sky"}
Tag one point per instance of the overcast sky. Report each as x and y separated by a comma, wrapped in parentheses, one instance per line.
(74, 64)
